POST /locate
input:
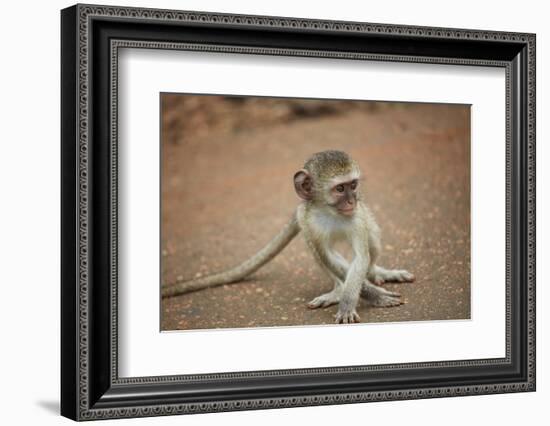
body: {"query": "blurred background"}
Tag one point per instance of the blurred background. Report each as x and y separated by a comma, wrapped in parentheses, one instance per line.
(227, 167)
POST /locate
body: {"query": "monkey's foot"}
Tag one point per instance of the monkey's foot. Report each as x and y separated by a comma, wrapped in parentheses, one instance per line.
(380, 297)
(382, 276)
(324, 300)
(346, 317)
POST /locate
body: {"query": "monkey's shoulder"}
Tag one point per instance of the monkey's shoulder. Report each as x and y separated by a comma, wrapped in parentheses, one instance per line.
(367, 216)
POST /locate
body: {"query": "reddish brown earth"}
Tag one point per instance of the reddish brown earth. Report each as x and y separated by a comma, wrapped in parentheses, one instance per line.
(227, 190)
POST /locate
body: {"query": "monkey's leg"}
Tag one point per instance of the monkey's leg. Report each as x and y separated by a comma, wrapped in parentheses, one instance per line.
(375, 296)
(379, 275)
(337, 267)
(321, 253)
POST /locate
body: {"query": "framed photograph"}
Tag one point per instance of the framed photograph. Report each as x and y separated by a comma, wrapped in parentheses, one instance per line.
(263, 212)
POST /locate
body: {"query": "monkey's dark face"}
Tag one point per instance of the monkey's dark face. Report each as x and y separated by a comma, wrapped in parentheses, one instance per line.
(344, 197)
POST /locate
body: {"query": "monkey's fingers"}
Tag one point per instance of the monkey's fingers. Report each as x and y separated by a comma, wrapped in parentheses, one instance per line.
(347, 317)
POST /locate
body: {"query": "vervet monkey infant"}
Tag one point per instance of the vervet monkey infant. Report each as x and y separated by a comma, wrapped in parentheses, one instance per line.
(331, 211)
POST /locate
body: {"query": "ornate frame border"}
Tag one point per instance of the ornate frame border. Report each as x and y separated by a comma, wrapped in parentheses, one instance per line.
(82, 406)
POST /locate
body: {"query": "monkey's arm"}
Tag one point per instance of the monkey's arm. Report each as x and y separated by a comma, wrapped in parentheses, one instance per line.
(354, 282)
(275, 246)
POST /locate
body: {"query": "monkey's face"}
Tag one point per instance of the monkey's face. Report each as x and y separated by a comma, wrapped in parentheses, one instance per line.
(337, 193)
(343, 196)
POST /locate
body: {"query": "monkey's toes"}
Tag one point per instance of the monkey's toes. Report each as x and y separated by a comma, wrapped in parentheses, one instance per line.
(406, 277)
(386, 301)
(379, 281)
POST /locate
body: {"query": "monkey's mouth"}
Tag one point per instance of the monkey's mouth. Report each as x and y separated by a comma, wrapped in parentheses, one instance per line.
(347, 212)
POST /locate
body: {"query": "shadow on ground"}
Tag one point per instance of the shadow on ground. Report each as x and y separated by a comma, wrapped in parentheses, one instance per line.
(52, 407)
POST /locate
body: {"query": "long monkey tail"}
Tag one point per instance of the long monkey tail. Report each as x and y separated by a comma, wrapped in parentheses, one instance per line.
(272, 249)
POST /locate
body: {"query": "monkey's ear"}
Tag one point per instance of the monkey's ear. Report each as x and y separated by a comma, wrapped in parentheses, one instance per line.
(303, 185)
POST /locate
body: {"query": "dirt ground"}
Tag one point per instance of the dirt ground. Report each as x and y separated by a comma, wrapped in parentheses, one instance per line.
(227, 190)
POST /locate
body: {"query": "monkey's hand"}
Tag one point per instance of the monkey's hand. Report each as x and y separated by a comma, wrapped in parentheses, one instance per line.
(346, 312)
(380, 297)
(347, 317)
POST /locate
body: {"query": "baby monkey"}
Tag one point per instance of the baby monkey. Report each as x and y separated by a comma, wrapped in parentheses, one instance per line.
(331, 211)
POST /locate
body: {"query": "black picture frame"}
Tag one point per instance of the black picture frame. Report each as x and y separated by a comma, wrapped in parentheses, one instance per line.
(90, 386)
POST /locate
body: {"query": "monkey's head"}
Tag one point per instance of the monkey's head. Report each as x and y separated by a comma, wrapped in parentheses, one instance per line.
(329, 178)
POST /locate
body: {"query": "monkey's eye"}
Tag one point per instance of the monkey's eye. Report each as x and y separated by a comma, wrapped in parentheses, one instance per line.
(353, 185)
(340, 188)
